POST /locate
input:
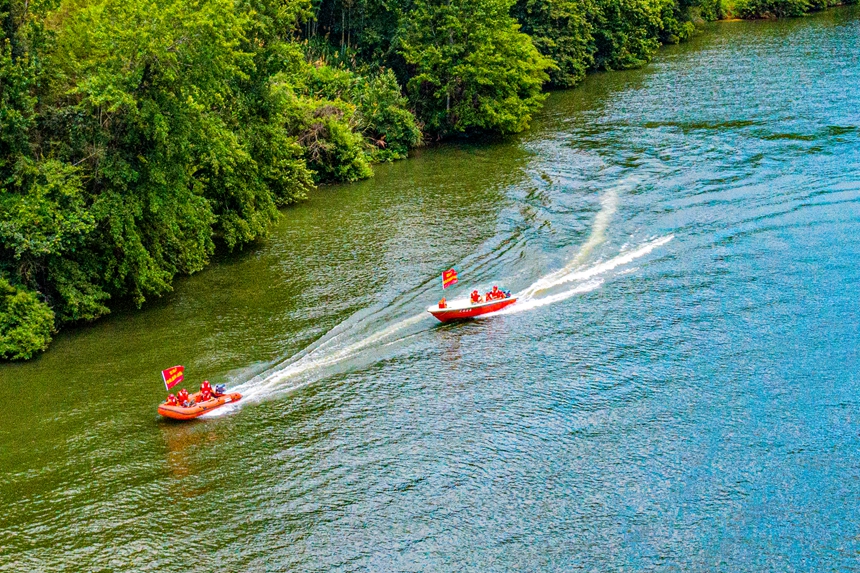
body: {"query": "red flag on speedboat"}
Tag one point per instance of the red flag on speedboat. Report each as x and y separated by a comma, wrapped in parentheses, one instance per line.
(173, 376)
(449, 278)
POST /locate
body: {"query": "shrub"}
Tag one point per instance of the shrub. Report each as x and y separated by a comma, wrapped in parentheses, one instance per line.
(480, 75)
(771, 8)
(561, 31)
(383, 116)
(26, 323)
(333, 149)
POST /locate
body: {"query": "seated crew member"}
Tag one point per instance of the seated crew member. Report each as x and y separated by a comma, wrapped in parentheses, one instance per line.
(476, 298)
(171, 400)
(184, 399)
(205, 391)
(497, 294)
(443, 303)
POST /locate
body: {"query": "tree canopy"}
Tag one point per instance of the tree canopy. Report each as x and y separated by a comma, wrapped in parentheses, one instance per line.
(137, 137)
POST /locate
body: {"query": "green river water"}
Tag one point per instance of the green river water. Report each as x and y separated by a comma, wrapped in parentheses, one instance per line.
(677, 389)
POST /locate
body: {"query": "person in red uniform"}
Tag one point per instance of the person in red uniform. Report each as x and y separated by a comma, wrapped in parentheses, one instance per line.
(184, 399)
(497, 294)
(476, 298)
(171, 400)
(205, 391)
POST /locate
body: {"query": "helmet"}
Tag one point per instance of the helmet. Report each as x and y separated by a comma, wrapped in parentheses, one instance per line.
(205, 385)
(183, 394)
(495, 287)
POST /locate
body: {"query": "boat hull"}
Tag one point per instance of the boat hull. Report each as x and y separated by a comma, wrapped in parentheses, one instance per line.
(467, 311)
(200, 408)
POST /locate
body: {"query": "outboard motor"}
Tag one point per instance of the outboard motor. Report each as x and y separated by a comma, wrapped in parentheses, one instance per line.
(220, 389)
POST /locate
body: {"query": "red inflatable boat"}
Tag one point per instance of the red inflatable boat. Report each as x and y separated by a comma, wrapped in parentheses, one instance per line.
(462, 310)
(178, 412)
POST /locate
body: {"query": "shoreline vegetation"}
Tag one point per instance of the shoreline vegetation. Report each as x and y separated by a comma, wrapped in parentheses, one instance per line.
(139, 136)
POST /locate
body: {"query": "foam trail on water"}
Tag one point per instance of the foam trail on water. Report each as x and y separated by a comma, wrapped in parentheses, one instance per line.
(299, 370)
(567, 275)
(588, 277)
(530, 304)
(608, 206)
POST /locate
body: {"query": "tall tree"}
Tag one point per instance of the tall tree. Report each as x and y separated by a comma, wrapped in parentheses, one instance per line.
(561, 31)
(472, 68)
(626, 32)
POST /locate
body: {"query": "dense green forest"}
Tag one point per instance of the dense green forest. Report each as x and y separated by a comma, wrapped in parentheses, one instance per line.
(137, 136)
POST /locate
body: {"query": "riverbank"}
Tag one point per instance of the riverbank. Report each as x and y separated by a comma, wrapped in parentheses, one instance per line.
(123, 171)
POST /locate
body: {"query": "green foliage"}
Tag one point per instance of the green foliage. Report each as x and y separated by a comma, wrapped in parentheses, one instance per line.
(383, 116)
(261, 108)
(150, 134)
(560, 30)
(780, 8)
(17, 105)
(677, 24)
(135, 137)
(709, 10)
(26, 323)
(370, 106)
(150, 82)
(473, 69)
(77, 291)
(772, 8)
(325, 82)
(43, 211)
(626, 32)
(333, 149)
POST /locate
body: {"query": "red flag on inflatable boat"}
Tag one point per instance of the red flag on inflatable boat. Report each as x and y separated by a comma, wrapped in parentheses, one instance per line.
(173, 376)
(449, 278)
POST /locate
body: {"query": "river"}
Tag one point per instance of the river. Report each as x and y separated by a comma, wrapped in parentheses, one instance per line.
(676, 391)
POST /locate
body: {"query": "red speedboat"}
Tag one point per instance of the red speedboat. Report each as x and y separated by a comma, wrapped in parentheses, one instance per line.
(463, 309)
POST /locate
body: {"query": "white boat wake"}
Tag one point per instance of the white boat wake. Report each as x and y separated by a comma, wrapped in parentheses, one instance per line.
(354, 343)
(299, 370)
(587, 279)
